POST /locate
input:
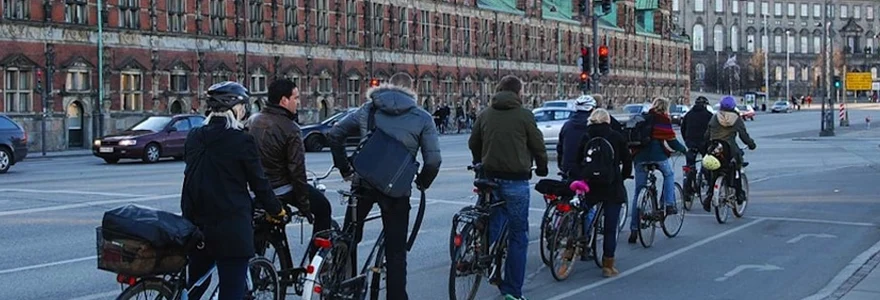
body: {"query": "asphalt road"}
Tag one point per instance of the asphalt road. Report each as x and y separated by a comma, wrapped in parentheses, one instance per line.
(814, 208)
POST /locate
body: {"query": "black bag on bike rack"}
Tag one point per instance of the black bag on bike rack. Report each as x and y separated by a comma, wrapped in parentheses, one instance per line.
(384, 162)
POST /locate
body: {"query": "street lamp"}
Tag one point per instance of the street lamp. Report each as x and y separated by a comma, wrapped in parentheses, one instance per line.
(788, 45)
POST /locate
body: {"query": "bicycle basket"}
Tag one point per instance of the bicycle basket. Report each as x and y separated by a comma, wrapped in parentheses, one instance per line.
(128, 255)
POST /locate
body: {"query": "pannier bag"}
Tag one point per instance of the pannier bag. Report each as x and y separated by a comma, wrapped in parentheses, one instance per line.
(554, 187)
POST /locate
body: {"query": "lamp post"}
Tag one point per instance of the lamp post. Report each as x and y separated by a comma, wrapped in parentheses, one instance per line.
(788, 45)
(99, 102)
(766, 42)
(826, 119)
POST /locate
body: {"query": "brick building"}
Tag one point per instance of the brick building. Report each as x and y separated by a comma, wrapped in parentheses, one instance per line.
(160, 55)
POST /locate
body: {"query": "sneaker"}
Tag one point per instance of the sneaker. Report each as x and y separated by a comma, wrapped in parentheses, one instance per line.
(511, 297)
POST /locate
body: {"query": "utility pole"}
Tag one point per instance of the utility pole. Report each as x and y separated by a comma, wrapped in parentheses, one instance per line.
(558, 59)
(826, 119)
(594, 56)
(99, 102)
(788, 46)
(766, 42)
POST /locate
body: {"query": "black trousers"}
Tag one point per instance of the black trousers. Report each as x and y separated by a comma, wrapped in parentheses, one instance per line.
(319, 205)
(232, 273)
(395, 220)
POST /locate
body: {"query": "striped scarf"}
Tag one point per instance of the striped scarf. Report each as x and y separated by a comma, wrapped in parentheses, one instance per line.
(662, 131)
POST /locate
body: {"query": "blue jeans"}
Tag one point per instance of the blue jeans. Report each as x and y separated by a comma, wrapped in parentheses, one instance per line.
(642, 179)
(516, 214)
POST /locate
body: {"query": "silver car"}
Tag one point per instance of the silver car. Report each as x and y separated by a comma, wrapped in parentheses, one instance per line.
(550, 121)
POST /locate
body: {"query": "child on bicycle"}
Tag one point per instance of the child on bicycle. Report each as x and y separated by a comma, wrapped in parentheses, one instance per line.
(725, 126)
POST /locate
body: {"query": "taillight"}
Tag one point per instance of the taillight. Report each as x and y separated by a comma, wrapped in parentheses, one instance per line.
(686, 169)
(549, 197)
(318, 289)
(563, 207)
(457, 240)
(125, 279)
(25, 139)
(323, 243)
(310, 269)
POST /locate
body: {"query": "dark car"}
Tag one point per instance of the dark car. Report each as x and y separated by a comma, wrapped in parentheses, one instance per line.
(315, 135)
(676, 112)
(13, 143)
(149, 140)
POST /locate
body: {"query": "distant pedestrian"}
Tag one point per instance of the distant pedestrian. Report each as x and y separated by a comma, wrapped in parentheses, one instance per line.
(868, 122)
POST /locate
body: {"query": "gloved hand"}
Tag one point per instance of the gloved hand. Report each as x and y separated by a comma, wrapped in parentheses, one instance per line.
(753, 146)
(542, 171)
(277, 219)
(420, 185)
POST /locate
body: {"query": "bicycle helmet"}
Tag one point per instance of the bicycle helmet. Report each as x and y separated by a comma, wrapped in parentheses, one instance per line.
(224, 95)
(585, 103)
(702, 101)
(728, 103)
(711, 163)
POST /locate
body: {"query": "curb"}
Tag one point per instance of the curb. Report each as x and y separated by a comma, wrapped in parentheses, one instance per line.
(850, 276)
(51, 155)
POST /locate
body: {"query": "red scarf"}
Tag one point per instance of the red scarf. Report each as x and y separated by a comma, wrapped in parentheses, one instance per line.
(662, 127)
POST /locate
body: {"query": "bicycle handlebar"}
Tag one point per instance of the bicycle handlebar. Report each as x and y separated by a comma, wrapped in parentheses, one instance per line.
(315, 176)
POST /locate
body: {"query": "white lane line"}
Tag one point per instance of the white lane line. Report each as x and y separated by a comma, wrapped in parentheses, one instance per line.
(847, 272)
(819, 221)
(51, 264)
(72, 192)
(84, 204)
(106, 295)
(655, 261)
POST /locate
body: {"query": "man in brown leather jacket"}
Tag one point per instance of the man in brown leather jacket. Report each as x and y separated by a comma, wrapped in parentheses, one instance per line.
(279, 142)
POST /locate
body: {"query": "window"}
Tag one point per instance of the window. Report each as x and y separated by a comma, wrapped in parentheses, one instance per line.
(176, 15)
(857, 12)
(76, 11)
(805, 74)
(869, 12)
(790, 74)
(765, 9)
(179, 82)
(297, 80)
(675, 4)
(218, 17)
(221, 76)
(869, 43)
(291, 20)
(750, 8)
(77, 81)
(18, 90)
(467, 88)
(817, 44)
(325, 87)
(258, 83)
(698, 43)
(404, 28)
(791, 10)
(777, 9)
(448, 90)
(719, 6)
(378, 16)
(255, 18)
(466, 34)
(805, 44)
(789, 44)
(817, 10)
(16, 9)
(323, 8)
(698, 5)
(843, 12)
(484, 38)
(354, 91)
(718, 38)
(447, 33)
(805, 10)
(734, 38)
(734, 6)
(778, 73)
(777, 43)
(750, 40)
(351, 34)
(181, 125)
(425, 87)
(7, 124)
(765, 43)
(131, 90)
(128, 14)
(426, 31)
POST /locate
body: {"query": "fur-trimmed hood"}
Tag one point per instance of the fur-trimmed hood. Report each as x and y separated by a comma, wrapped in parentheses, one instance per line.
(392, 99)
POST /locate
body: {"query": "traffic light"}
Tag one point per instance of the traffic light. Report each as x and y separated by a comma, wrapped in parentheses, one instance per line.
(374, 82)
(39, 85)
(586, 62)
(584, 83)
(583, 7)
(836, 82)
(604, 64)
(606, 6)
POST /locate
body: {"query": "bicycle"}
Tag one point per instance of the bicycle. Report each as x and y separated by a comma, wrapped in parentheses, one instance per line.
(695, 186)
(473, 252)
(572, 237)
(652, 210)
(726, 195)
(274, 235)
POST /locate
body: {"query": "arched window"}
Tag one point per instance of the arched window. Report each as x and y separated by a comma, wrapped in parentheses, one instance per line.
(734, 38)
(698, 38)
(718, 38)
(701, 71)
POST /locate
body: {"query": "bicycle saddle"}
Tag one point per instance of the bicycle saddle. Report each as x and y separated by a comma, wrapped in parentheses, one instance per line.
(485, 184)
(745, 164)
(651, 166)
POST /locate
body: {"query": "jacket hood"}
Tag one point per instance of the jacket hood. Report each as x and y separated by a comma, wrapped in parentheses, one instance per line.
(392, 99)
(506, 101)
(601, 129)
(726, 118)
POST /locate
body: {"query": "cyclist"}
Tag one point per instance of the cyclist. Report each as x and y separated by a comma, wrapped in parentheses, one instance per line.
(693, 128)
(221, 163)
(280, 145)
(506, 139)
(398, 116)
(572, 132)
(614, 193)
(725, 126)
(663, 144)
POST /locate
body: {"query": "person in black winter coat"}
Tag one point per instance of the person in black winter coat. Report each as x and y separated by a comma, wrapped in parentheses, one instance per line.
(693, 128)
(221, 163)
(613, 195)
(571, 133)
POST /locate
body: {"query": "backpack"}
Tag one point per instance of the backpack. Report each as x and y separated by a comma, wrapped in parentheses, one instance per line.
(599, 165)
(638, 131)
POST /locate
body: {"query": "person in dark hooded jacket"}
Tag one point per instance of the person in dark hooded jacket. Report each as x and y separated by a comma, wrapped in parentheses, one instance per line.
(572, 132)
(693, 128)
(398, 115)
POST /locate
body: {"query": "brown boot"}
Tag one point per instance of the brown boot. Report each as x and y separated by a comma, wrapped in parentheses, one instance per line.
(608, 269)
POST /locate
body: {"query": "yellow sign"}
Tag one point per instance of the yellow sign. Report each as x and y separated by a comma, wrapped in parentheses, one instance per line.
(860, 81)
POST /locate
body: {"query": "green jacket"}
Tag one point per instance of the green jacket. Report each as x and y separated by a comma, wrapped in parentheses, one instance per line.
(505, 138)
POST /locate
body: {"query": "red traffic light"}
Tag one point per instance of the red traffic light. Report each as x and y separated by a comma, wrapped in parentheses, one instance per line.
(374, 82)
(603, 50)
(584, 51)
(39, 73)
(584, 76)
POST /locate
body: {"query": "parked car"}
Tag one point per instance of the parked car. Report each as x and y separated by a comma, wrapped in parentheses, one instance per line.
(315, 135)
(746, 112)
(780, 107)
(149, 140)
(559, 104)
(13, 143)
(550, 121)
(677, 111)
(630, 110)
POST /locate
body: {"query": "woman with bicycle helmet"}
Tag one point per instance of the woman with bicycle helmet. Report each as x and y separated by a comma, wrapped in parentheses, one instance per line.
(724, 127)
(221, 163)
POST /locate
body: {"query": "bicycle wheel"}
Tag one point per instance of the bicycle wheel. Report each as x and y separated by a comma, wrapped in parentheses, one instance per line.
(465, 265)
(693, 194)
(263, 280)
(719, 200)
(335, 268)
(647, 209)
(550, 217)
(739, 209)
(564, 246)
(672, 223)
(378, 270)
(624, 216)
(597, 231)
(148, 288)
(278, 253)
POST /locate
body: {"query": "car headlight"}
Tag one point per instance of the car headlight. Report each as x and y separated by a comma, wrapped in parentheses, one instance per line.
(127, 142)
(97, 143)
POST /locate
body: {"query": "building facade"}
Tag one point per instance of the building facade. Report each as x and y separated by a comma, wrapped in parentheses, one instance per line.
(159, 56)
(729, 39)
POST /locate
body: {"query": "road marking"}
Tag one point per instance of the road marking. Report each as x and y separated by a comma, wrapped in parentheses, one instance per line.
(84, 204)
(740, 268)
(816, 235)
(72, 192)
(819, 221)
(847, 272)
(51, 264)
(655, 261)
(112, 294)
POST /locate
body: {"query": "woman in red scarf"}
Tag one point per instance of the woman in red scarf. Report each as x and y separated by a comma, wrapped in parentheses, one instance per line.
(663, 144)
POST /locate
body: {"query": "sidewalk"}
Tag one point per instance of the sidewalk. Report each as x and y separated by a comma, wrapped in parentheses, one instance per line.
(35, 155)
(864, 284)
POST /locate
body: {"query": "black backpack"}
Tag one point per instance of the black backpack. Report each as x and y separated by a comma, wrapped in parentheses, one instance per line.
(599, 165)
(638, 130)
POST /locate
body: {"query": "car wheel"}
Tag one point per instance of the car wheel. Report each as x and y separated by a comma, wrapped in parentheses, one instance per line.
(152, 153)
(5, 160)
(314, 143)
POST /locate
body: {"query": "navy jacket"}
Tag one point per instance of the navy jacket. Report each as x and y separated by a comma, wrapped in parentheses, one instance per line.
(694, 125)
(567, 156)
